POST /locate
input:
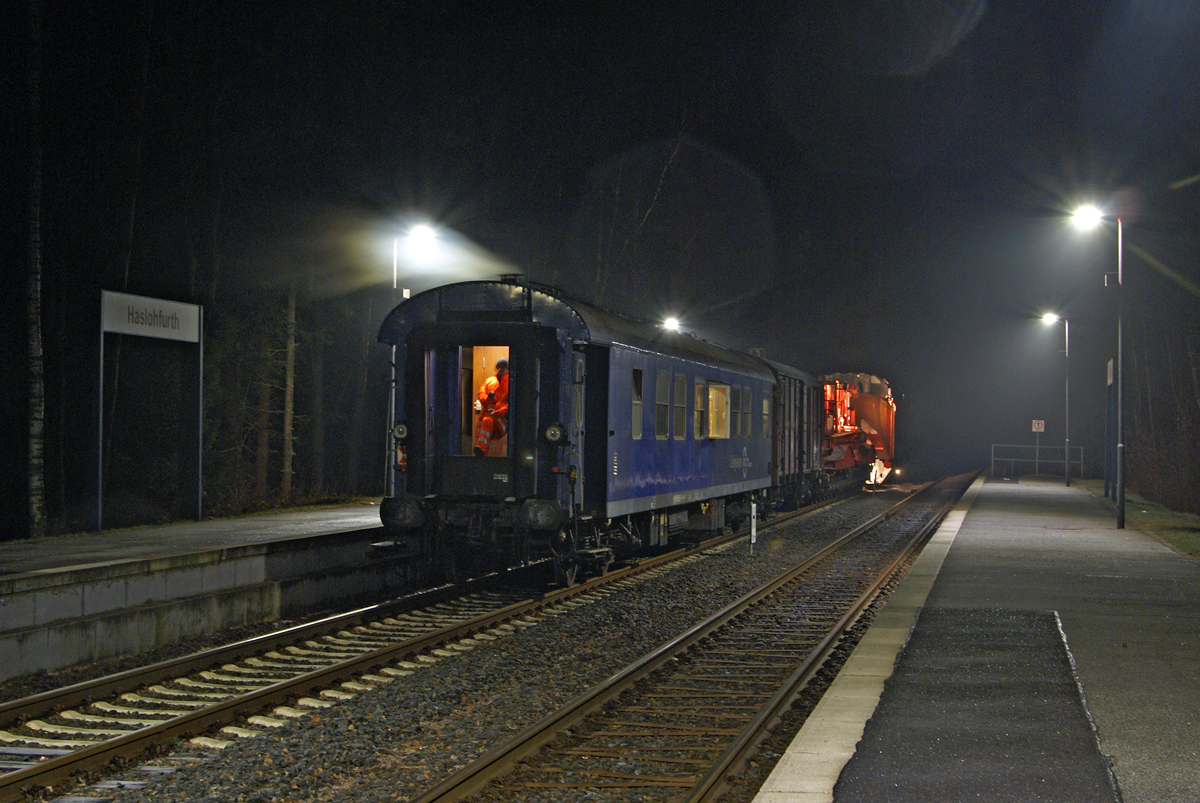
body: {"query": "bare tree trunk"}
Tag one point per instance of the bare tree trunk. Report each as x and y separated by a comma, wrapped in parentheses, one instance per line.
(289, 395)
(1178, 393)
(604, 238)
(59, 488)
(1146, 394)
(37, 370)
(262, 426)
(135, 189)
(357, 419)
(213, 239)
(317, 430)
(606, 260)
(1194, 362)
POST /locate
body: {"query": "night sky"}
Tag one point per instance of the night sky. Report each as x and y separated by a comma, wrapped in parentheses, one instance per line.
(871, 186)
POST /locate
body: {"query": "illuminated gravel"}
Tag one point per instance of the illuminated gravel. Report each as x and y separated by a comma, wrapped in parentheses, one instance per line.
(393, 742)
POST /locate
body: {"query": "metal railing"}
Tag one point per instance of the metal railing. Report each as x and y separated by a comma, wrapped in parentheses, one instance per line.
(1048, 459)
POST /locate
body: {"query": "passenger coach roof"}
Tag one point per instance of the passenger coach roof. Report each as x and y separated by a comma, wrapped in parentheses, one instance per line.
(795, 373)
(510, 301)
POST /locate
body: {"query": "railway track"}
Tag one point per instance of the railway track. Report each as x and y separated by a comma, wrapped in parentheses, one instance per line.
(86, 727)
(679, 723)
(238, 690)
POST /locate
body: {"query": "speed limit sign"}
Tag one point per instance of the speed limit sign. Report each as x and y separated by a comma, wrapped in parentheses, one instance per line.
(1039, 426)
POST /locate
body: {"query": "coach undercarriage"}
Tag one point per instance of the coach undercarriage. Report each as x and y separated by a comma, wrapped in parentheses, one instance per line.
(460, 539)
(468, 539)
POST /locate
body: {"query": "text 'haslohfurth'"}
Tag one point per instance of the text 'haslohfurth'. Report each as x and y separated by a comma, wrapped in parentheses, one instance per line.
(155, 318)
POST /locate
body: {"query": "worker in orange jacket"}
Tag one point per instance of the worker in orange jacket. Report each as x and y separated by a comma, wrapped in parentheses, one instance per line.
(492, 407)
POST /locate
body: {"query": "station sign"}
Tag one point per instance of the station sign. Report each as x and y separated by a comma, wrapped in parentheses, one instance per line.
(121, 313)
(149, 317)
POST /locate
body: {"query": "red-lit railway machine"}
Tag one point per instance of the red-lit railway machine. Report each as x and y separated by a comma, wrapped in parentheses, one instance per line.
(860, 425)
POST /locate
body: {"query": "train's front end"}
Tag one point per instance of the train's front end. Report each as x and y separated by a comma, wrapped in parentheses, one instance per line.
(485, 425)
(860, 426)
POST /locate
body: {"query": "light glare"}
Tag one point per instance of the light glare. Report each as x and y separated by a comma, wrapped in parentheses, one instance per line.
(1087, 217)
(672, 324)
(1049, 317)
(422, 235)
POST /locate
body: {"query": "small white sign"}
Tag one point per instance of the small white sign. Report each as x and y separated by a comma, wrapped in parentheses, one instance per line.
(149, 317)
(1039, 426)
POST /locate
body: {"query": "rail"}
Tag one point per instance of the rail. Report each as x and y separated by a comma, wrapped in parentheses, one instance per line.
(495, 764)
(57, 766)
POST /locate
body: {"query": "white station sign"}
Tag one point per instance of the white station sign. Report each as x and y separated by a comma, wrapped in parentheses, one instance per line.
(149, 317)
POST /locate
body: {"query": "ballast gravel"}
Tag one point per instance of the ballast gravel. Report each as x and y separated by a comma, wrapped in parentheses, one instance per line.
(397, 740)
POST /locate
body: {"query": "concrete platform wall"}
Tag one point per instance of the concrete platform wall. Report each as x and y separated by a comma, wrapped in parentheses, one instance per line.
(57, 618)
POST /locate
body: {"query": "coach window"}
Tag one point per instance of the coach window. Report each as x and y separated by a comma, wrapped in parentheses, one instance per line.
(662, 406)
(635, 417)
(718, 411)
(735, 412)
(747, 411)
(679, 405)
(766, 430)
(699, 425)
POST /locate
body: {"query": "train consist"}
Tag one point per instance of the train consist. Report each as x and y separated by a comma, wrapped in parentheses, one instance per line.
(527, 425)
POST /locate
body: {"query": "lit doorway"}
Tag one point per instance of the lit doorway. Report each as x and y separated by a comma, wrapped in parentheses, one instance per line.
(478, 364)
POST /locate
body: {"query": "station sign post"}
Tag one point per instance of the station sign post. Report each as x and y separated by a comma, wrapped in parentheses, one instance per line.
(121, 313)
(1039, 426)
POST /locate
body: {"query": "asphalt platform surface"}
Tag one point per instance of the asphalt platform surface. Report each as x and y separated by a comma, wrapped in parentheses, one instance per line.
(980, 694)
(1034, 653)
(134, 543)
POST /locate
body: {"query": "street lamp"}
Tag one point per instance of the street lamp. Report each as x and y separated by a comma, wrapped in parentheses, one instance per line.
(1088, 217)
(421, 238)
(1051, 318)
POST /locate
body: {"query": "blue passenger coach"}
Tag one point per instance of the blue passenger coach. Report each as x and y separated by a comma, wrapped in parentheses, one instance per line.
(688, 422)
(620, 435)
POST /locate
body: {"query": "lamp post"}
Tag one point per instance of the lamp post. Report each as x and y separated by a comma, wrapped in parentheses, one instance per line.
(1051, 318)
(421, 237)
(1088, 217)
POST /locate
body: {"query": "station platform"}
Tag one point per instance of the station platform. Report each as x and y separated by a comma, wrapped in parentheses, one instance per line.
(151, 541)
(1033, 653)
(86, 597)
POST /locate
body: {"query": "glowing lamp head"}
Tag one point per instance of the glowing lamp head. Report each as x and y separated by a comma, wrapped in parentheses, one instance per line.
(672, 324)
(1087, 217)
(421, 237)
(1050, 318)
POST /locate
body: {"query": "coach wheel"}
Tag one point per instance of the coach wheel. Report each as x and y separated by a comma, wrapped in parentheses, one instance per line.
(566, 559)
(565, 571)
(449, 564)
(604, 564)
(436, 557)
